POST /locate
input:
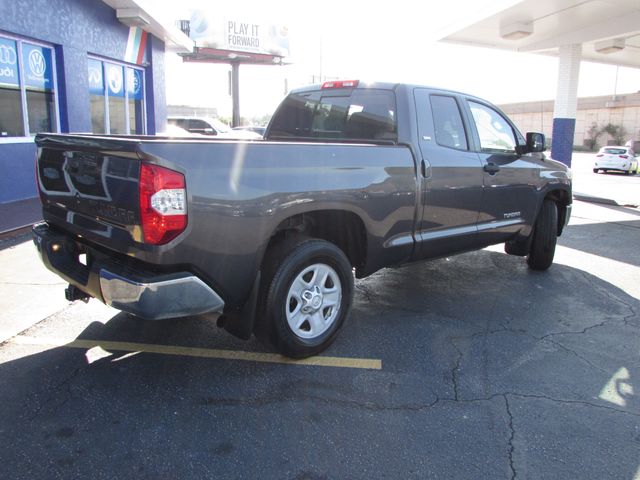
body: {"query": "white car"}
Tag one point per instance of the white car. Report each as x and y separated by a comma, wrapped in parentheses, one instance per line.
(211, 127)
(619, 159)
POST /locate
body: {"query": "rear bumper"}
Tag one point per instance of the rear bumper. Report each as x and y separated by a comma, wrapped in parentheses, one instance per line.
(149, 295)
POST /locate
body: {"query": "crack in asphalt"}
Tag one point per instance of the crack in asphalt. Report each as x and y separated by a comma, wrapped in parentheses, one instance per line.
(576, 354)
(54, 391)
(454, 370)
(512, 435)
(373, 406)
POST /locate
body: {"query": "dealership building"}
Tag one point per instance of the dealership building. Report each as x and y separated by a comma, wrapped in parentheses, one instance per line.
(87, 66)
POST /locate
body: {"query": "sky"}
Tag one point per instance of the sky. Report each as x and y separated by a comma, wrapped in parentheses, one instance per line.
(352, 40)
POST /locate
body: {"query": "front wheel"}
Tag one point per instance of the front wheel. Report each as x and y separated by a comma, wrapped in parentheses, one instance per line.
(307, 295)
(545, 235)
(595, 170)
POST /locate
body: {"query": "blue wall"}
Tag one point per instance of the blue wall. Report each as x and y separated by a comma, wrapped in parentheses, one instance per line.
(77, 28)
(17, 171)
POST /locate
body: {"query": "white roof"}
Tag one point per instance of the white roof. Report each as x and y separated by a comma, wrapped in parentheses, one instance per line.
(609, 30)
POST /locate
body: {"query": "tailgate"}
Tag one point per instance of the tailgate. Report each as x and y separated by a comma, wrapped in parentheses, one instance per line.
(89, 186)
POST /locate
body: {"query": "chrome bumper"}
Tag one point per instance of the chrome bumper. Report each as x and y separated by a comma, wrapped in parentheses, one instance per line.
(178, 297)
(147, 294)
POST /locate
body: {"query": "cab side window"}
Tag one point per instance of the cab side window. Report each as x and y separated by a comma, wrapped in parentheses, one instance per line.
(447, 122)
(496, 134)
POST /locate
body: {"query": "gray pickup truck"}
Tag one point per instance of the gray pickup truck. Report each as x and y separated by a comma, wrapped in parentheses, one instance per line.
(349, 179)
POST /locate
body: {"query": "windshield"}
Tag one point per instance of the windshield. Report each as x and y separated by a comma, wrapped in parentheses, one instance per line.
(221, 127)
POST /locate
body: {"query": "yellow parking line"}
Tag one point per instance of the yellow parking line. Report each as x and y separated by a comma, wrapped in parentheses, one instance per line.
(320, 361)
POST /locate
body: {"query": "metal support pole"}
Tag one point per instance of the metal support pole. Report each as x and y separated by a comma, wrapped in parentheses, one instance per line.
(566, 104)
(235, 94)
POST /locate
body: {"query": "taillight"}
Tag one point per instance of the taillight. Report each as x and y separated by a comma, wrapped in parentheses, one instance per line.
(340, 84)
(624, 156)
(163, 204)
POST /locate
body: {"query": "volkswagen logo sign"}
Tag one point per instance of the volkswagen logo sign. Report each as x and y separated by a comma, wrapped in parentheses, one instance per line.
(133, 82)
(8, 55)
(115, 79)
(37, 63)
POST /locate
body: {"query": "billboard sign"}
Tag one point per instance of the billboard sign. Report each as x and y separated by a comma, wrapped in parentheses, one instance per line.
(238, 34)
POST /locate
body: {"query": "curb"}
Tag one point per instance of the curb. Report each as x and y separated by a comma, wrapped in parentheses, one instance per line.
(604, 201)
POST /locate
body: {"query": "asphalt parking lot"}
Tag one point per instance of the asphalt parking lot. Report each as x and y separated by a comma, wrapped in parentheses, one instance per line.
(465, 367)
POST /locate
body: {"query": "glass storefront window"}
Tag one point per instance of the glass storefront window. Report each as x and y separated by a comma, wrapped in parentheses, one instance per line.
(134, 94)
(41, 111)
(27, 85)
(96, 96)
(11, 123)
(116, 93)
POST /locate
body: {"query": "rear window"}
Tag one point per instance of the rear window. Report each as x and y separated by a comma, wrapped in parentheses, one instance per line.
(615, 151)
(338, 115)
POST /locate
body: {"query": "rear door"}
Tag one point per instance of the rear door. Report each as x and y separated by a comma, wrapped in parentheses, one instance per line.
(451, 176)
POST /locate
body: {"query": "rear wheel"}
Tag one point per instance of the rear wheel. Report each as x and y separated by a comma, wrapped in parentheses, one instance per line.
(545, 235)
(306, 296)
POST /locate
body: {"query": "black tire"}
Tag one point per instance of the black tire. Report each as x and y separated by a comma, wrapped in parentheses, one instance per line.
(281, 296)
(545, 235)
(595, 170)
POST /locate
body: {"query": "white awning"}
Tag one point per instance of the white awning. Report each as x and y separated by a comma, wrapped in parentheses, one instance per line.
(147, 15)
(608, 30)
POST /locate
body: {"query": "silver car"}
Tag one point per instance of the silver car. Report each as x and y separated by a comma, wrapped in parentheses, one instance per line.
(619, 159)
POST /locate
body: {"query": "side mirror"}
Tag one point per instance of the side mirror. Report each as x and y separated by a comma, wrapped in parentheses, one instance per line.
(535, 142)
(209, 131)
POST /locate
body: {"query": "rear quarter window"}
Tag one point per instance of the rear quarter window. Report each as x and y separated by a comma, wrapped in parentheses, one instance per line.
(360, 114)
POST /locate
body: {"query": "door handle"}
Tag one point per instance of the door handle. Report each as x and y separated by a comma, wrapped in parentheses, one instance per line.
(425, 169)
(491, 168)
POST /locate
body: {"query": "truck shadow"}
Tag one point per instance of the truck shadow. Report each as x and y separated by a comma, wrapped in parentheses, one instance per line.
(460, 335)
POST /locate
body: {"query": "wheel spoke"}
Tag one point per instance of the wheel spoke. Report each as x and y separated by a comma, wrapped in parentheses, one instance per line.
(331, 298)
(316, 321)
(299, 285)
(299, 319)
(322, 273)
(297, 307)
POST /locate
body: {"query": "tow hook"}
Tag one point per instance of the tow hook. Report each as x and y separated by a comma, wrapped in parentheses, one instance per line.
(73, 293)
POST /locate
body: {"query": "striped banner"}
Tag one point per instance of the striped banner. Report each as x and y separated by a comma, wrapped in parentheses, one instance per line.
(136, 46)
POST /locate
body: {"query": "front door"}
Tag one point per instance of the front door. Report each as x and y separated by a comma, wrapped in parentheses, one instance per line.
(510, 179)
